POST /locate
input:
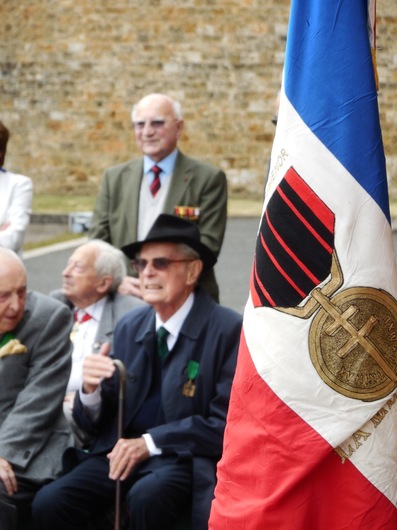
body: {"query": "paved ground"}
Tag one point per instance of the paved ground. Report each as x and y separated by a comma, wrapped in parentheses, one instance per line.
(45, 265)
(233, 268)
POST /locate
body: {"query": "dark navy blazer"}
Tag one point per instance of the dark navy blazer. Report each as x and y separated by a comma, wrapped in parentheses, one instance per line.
(193, 426)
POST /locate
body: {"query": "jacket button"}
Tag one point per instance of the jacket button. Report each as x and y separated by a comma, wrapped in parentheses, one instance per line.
(131, 378)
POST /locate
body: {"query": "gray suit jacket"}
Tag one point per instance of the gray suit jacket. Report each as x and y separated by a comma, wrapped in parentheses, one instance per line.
(194, 183)
(33, 431)
(116, 305)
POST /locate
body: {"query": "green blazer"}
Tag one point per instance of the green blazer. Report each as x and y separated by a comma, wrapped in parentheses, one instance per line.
(194, 183)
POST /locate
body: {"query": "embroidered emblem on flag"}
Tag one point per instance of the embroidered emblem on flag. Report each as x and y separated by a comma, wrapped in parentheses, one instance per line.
(351, 342)
(351, 335)
(294, 246)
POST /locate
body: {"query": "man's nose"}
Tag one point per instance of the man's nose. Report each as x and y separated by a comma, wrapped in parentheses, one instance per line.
(149, 269)
(67, 270)
(148, 127)
(15, 302)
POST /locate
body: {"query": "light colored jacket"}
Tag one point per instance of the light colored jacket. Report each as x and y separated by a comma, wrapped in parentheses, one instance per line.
(16, 193)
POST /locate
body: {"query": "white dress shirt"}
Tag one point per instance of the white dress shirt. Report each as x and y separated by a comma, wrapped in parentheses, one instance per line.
(83, 338)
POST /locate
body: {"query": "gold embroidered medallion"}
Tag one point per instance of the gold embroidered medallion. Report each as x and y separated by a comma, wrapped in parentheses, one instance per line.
(353, 337)
(353, 342)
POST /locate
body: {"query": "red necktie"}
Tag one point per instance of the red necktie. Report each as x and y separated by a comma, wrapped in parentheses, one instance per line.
(156, 184)
(84, 318)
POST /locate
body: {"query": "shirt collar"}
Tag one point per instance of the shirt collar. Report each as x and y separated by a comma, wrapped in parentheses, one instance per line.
(174, 324)
(166, 165)
(95, 310)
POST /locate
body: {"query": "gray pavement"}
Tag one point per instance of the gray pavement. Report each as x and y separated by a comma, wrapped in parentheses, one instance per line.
(233, 269)
(45, 265)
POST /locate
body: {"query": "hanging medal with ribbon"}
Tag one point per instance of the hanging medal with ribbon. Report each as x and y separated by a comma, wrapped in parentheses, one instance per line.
(189, 388)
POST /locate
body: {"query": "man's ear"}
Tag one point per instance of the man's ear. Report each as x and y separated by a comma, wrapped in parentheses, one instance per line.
(195, 268)
(180, 126)
(104, 284)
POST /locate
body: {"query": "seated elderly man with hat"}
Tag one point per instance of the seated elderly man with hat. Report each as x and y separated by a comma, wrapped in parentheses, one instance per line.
(180, 354)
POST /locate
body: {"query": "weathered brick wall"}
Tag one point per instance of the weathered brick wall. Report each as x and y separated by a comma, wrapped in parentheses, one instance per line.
(387, 70)
(70, 71)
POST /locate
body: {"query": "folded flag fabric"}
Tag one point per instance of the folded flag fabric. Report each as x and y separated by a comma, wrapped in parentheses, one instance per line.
(311, 435)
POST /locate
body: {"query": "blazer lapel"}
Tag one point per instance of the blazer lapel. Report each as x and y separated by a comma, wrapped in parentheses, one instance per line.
(145, 342)
(181, 177)
(131, 185)
(106, 324)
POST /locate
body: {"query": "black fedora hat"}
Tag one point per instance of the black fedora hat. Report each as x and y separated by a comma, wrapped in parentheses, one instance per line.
(172, 229)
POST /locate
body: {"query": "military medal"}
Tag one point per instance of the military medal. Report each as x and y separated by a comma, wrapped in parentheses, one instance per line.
(189, 388)
(74, 331)
(192, 213)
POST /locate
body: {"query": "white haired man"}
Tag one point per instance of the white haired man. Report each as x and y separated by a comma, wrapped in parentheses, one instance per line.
(163, 180)
(91, 278)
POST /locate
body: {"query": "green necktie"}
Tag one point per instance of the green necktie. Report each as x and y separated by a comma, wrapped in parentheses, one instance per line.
(162, 348)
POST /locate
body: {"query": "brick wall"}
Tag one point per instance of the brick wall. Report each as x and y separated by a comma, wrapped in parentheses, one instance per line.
(70, 72)
(387, 70)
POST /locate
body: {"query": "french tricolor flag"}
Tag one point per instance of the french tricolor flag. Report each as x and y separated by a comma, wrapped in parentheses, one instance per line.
(311, 436)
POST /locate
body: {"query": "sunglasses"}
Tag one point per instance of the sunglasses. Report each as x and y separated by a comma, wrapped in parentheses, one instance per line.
(159, 264)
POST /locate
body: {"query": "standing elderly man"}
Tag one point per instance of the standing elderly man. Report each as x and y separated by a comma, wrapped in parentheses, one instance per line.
(180, 355)
(133, 194)
(91, 278)
(34, 371)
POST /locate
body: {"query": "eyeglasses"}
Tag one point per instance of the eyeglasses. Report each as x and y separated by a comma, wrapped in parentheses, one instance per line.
(154, 124)
(160, 264)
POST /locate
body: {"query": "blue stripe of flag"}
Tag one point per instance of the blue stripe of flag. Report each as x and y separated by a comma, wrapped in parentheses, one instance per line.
(329, 80)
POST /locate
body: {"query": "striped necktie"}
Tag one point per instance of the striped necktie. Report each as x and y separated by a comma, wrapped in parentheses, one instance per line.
(156, 184)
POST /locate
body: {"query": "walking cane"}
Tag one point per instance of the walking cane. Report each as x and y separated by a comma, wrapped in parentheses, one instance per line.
(120, 421)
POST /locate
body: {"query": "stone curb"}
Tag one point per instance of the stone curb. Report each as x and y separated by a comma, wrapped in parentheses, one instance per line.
(44, 218)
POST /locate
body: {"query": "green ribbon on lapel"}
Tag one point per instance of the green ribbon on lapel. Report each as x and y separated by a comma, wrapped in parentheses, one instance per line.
(6, 338)
(192, 369)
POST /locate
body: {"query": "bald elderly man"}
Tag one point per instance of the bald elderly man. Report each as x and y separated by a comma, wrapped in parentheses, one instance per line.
(162, 180)
(35, 360)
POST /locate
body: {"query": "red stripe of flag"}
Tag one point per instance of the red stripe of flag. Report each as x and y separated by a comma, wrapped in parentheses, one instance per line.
(255, 298)
(304, 221)
(280, 269)
(288, 250)
(319, 209)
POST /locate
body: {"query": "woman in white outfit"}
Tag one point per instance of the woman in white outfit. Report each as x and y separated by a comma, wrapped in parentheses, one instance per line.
(16, 193)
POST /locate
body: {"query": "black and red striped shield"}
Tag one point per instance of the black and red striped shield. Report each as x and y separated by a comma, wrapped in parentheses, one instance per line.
(294, 245)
